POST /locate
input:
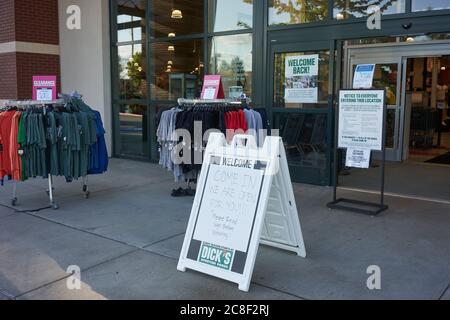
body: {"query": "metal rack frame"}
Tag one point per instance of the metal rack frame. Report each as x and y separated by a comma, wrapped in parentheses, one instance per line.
(182, 101)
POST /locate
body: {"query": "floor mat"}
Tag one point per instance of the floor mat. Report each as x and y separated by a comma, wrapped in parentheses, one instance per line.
(443, 159)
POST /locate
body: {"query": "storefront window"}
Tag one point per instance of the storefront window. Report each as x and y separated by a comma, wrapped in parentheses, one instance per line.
(226, 15)
(307, 88)
(344, 9)
(176, 18)
(178, 69)
(428, 5)
(285, 12)
(133, 130)
(131, 20)
(132, 72)
(231, 57)
(426, 37)
(305, 140)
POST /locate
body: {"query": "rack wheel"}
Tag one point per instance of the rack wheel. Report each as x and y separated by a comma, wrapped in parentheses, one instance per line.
(55, 206)
(14, 202)
(87, 195)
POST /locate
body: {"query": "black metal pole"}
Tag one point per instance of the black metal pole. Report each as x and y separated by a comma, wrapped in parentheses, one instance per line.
(336, 139)
(383, 157)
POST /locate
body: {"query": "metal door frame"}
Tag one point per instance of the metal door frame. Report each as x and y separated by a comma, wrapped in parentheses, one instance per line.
(394, 53)
(276, 47)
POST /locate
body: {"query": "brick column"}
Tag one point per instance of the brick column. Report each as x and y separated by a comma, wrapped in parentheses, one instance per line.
(29, 45)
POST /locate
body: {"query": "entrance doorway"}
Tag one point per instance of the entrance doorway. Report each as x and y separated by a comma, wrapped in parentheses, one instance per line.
(416, 77)
(427, 133)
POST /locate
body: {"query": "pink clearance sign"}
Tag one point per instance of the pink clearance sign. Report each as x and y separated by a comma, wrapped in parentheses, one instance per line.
(212, 88)
(44, 88)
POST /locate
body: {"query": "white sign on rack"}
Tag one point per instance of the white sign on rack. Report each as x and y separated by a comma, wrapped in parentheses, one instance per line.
(44, 94)
(244, 198)
(361, 118)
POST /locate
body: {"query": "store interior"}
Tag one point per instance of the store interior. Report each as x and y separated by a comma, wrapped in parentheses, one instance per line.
(424, 170)
(427, 92)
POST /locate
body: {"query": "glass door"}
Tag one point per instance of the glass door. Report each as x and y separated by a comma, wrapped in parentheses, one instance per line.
(388, 76)
(300, 87)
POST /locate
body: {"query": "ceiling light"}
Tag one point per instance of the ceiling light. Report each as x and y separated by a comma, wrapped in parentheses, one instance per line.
(170, 62)
(177, 14)
(171, 48)
(410, 39)
(169, 70)
(443, 68)
(171, 35)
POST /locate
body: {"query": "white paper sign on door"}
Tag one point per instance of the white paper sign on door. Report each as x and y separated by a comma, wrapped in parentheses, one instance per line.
(301, 73)
(363, 78)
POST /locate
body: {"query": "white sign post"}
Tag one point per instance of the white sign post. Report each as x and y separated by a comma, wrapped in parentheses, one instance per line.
(360, 129)
(244, 197)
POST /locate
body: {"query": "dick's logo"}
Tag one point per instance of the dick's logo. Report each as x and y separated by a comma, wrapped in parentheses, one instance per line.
(216, 256)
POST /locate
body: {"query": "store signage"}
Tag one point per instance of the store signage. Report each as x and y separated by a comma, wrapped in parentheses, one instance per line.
(301, 74)
(212, 88)
(244, 198)
(44, 88)
(358, 158)
(363, 78)
(361, 118)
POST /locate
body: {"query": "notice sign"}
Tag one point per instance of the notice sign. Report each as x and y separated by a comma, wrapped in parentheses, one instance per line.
(44, 88)
(358, 158)
(302, 79)
(363, 78)
(212, 88)
(361, 119)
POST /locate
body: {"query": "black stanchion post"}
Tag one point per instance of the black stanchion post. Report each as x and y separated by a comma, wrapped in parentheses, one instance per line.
(355, 205)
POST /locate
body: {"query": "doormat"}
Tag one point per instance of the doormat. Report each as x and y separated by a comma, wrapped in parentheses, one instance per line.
(443, 159)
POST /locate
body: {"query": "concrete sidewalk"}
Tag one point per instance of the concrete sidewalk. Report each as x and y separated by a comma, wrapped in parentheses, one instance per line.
(127, 237)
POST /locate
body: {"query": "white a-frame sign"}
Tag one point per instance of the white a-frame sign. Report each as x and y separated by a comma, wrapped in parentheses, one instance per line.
(244, 198)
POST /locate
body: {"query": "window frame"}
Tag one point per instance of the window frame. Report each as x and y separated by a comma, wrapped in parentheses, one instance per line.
(147, 42)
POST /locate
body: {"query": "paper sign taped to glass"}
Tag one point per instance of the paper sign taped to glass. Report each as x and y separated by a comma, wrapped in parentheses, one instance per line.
(244, 198)
(301, 79)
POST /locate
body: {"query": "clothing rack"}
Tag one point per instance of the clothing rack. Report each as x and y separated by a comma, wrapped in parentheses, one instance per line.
(24, 104)
(194, 102)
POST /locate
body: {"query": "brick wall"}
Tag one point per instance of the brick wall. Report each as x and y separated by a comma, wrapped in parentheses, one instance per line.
(37, 21)
(8, 79)
(7, 30)
(27, 21)
(31, 64)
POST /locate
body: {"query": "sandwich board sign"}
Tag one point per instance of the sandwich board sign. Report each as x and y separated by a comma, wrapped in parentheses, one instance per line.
(244, 197)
